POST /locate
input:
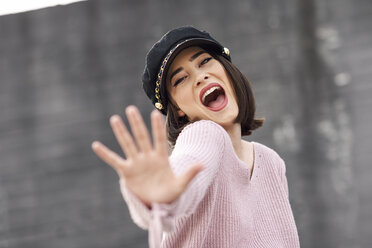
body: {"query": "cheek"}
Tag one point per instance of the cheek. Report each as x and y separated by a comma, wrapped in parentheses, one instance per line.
(183, 102)
(183, 93)
(180, 99)
(186, 103)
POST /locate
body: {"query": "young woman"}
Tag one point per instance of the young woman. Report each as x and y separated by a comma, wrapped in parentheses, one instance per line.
(215, 189)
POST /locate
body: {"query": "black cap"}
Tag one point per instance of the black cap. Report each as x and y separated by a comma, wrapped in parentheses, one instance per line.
(162, 54)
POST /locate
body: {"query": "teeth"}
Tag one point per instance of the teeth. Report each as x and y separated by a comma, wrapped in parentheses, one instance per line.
(209, 91)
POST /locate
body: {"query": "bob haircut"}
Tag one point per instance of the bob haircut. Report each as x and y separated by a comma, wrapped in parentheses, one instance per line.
(244, 95)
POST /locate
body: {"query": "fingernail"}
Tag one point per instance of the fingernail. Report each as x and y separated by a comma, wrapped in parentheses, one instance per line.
(154, 112)
(131, 108)
(114, 118)
(95, 144)
(131, 111)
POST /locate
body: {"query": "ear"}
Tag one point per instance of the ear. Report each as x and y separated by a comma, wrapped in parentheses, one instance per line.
(180, 113)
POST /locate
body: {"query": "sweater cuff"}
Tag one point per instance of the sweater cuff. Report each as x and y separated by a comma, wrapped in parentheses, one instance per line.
(139, 212)
(143, 216)
(161, 220)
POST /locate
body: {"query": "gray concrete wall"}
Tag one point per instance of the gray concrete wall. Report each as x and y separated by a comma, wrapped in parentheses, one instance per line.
(65, 70)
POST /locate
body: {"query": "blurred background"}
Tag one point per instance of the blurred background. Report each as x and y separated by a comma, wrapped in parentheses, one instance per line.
(65, 70)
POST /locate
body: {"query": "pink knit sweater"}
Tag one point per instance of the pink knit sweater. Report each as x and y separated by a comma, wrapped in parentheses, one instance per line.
(223, 206)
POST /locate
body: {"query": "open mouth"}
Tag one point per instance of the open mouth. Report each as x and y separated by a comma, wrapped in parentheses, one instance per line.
(213, 97)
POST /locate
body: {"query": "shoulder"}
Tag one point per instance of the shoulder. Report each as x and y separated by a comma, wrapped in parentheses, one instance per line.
(206, 125)
(201, 131)
(264, 150)
(201, 136)
(202, 142)
(268, 156)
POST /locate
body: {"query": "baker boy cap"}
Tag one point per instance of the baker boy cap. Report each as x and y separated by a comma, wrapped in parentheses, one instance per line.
(163, 53)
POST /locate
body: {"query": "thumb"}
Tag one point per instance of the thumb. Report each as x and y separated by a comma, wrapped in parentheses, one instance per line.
(190, 173)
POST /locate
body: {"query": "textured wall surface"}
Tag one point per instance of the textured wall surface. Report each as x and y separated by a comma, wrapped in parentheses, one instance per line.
(65, 70)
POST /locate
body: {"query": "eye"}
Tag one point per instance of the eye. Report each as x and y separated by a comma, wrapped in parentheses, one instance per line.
(206, 60)
(179, 81)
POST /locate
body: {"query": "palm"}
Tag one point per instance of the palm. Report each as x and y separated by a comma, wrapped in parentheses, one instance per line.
(146, 171)
(141, 178)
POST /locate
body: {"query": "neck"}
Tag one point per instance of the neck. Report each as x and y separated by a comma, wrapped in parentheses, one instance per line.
(235, 133)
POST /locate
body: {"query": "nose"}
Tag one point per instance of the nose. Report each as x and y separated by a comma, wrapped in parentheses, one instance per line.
(203, 79)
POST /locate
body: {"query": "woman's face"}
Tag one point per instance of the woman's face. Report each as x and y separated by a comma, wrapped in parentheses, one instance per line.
(199, 85)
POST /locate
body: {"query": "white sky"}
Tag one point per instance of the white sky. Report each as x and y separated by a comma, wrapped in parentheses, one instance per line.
(15, 6)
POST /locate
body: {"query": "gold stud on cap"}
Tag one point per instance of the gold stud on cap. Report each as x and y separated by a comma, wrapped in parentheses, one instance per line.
(226, 51)
(159, 106)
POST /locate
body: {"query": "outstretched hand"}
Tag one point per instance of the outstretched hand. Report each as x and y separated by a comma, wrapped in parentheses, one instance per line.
(146, 169)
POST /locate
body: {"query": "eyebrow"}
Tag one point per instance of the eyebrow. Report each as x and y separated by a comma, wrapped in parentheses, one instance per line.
(174, 73)
(192, 58)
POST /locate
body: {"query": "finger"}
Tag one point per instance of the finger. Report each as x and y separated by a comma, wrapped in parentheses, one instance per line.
(123, 136)
(139, 129)
(108, 156)
(158, 132)
(186, 177)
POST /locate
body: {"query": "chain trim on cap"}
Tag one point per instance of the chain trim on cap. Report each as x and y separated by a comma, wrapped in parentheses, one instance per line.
(159, 104)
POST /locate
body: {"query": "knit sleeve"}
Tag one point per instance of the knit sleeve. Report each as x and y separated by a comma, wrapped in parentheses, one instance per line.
(200, 142)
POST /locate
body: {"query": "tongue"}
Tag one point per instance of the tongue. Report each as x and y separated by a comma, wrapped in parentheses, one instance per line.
(216, 103)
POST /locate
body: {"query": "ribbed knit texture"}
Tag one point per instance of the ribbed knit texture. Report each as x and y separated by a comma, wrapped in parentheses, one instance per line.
(223, 206)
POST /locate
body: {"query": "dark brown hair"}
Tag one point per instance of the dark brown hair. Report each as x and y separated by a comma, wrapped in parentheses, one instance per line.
(244, 97)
